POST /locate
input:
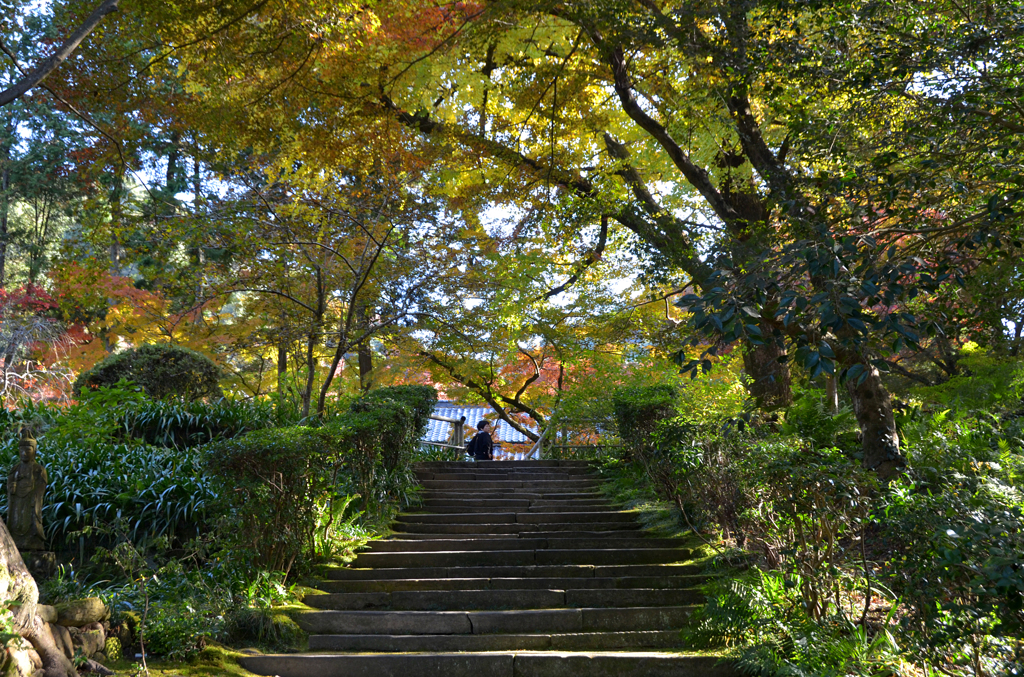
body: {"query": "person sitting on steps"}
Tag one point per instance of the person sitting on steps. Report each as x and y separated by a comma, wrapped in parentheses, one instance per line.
(481, 446)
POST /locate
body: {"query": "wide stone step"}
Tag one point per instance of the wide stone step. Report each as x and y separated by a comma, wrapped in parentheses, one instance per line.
(524, 543)
(535, 485)
(491, 664)
(514, 494)
(475, 503)
(454, 600)
(548, 508)
(492, 622)
(520, 557)
(529, 583)
(513, 528)
(512, 517)
(618, 535)
(557, 571)
(498, 465)
(577, 641)
(521, 476)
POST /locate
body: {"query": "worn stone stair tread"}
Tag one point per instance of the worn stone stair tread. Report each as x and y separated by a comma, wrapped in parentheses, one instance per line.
(431, 504)
(514, 500)
(520, 557)
(423, 465)
(491, 664)
(511, 527)
(515, 598)
(576, 641)
(469, 509)
(548, 571)
(511, 583)
(522, 518)
(516, 493)
(523, 543)
(440, 535)
(514, 474)
(511, 569)
(483, 622)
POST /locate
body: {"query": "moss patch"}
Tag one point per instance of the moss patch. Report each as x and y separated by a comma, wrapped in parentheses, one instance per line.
(214, 661)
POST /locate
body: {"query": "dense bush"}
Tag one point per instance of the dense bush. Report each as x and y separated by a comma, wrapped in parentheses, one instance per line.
(284, 488)
(638, 413)
(378, 439)
(420, 401)
(761, 617)
(275, 485)
(159, 491)
(852, 576)
(118, 453)
(164, 371)
(958, 563)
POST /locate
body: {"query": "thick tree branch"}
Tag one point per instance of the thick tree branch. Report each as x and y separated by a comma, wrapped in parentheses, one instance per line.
(426, 124)
(696, 176)
(39, 73)
(671, 226)
(593, 257)
(903, 371)
(489, 397)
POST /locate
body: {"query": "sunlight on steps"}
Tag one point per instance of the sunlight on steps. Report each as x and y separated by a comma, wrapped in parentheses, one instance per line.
(511, 569)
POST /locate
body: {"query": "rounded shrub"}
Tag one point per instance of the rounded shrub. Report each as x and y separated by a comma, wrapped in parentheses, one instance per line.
(164, 372)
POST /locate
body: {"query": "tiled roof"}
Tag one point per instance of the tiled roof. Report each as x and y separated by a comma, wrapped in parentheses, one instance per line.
(440, 431)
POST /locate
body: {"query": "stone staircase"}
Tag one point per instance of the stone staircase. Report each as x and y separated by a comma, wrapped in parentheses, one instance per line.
(511, 569)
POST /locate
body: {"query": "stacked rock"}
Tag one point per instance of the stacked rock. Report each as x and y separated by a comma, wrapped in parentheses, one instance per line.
(78, 627)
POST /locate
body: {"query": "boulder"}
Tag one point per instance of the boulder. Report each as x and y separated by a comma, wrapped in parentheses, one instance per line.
(47, 613)
(20, 659)
(82, 612)
(90, 639)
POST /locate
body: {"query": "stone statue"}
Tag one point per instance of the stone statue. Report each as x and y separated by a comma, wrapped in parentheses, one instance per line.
(26, 485)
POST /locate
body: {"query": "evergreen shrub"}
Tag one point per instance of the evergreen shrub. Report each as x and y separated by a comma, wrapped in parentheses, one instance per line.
(638, 413)
(419, 399)
(164, 371)
(276, 485)
(377, 439)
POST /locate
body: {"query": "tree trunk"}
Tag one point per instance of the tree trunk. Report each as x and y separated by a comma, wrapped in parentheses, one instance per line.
(832, 395)
(22, 590)
(365, 352)
(5, 198)
(5, 184)
(873, 408)
(307, 391)
(770, 385)
(365, 366)
(282, 366)
(315, 335)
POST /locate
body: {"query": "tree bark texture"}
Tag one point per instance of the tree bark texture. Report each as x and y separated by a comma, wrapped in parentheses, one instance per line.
(282, 367)
(5, 197)
(365, 365)
(832, 395)
(50, 64)
(365, 351)
(17, 585)
(873, 407)
(770, 381)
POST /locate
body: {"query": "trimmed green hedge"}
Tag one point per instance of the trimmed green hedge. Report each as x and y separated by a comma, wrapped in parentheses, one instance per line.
(276, 484)
(164, 371)
(279, 484)
(638, 413)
